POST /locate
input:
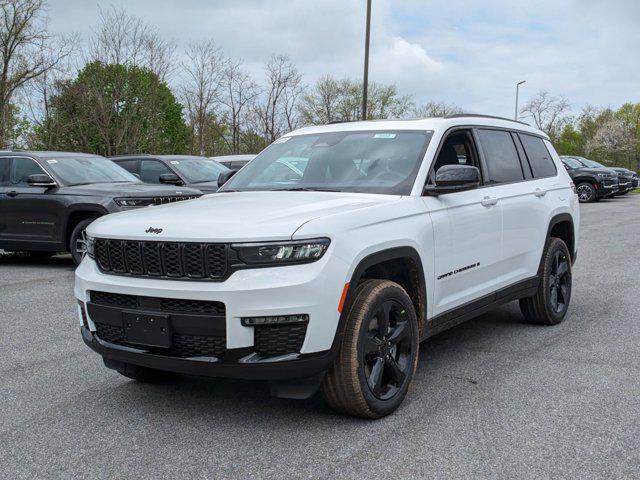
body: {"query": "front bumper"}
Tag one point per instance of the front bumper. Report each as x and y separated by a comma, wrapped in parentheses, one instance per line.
(313, 289)
(302, 367)
(607, 189)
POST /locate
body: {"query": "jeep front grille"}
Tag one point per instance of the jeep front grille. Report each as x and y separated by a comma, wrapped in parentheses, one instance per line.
(163, 200)
(204, 261)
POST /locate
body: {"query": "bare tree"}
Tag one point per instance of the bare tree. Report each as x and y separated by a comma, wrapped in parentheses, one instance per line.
(124, 39)
(435, 109)
(283, 81)
(203, 71)
(240, 91)
(549, 113)
(27, 52)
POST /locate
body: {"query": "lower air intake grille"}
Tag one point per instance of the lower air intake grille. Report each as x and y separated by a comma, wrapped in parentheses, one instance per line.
(275, 340)
(183, 346)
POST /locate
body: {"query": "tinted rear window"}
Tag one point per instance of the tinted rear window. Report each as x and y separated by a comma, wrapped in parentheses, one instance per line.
(539, 157)
(501, 156)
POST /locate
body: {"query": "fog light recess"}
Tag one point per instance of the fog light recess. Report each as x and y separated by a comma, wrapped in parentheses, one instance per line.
(275, 320)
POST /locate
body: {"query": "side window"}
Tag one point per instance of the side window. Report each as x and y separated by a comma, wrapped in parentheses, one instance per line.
(150, 171)
(21, 168)
(539, 157)
(457, 149)
(4, 171)
(501, 156)
(130, 166)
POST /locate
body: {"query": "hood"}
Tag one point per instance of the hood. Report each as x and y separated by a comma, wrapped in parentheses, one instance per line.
(128, 190)
(232, 216)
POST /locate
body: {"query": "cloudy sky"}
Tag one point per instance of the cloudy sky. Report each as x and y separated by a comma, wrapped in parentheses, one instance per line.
(470, 53)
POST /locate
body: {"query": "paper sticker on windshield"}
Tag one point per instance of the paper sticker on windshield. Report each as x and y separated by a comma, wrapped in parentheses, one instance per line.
(384, 135)
(282, 140)
(52, 161)
(175, 162)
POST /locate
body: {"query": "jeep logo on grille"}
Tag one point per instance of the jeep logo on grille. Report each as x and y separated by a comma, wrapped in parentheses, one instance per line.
(153, 230)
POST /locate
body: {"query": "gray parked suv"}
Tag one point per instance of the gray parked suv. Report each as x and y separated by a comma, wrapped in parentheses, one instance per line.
(47, 199)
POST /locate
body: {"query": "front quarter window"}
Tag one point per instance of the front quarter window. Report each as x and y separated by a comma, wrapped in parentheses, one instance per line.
(384, 162)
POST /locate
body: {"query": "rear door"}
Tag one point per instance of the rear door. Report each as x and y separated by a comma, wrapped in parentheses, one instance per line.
(30, 214)
(524, 208)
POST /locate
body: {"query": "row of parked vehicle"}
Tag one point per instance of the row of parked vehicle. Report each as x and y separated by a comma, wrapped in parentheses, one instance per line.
(47, 199)
(595, 181)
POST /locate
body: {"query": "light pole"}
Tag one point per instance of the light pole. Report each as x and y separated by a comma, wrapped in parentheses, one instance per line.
(517, 91)
(365, 82)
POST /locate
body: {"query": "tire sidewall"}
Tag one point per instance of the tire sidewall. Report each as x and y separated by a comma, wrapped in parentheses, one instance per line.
(397, 293)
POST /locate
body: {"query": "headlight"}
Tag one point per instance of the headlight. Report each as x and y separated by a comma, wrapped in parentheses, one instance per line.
(91, 246)
(272, 253)
(134, 202)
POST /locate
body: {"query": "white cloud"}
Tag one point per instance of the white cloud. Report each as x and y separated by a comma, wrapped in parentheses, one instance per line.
(467, 52)
(406, 64)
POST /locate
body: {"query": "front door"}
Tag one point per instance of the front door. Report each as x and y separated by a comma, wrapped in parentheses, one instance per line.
(27, 213)
(467, 232)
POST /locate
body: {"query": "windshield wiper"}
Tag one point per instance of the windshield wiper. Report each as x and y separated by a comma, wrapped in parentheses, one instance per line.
(305, 189)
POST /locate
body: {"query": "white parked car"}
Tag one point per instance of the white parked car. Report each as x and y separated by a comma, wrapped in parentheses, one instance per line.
(389, 232)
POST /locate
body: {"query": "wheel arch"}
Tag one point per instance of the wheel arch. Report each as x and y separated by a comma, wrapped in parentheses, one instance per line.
(389, 264)
(78, 214)
(561, 226)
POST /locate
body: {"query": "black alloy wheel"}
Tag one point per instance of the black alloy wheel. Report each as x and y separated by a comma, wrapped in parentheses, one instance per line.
(559, 282)
(387, 350)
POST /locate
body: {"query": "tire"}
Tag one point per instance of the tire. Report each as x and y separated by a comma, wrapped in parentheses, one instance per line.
(625, 192)
(77, 236)
(550, 303)
(138, 373)
(373, 370)
(586, 192)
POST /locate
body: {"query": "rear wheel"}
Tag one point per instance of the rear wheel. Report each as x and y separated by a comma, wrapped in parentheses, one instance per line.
(586, 192)
(78, 240)
(550, 303)
(378, 355)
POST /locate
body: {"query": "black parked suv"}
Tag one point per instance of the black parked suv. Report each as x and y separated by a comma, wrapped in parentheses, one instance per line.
(592, 183)
(188, 170)
(626, 179)
(47, 199)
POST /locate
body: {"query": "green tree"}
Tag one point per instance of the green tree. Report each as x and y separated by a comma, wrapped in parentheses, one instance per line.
(570, 142)
(113, 109)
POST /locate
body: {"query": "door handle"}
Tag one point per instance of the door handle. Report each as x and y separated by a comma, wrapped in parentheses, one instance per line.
(489, 201)
(539, 193)
(12, 193)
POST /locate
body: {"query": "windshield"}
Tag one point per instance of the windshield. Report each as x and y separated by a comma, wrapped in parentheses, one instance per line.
(85, 170)
(369, 162)
(591, 163)
(572, 162)
(197, 169)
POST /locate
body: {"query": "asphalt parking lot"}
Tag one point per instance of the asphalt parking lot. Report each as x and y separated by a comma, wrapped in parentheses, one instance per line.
(494, 397)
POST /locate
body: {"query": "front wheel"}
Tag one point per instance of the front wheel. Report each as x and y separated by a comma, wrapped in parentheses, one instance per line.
(550, 303)
(586, 192)
(78, 240)
(378, 355)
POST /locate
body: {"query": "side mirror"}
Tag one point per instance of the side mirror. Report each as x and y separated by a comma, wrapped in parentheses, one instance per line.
(225, 176)
(454, 178)
(41, 180)
(170, 179)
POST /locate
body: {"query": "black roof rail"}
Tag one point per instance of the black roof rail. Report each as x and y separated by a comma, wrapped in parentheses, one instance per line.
(341, 121)
(130, 155)
(479, 115)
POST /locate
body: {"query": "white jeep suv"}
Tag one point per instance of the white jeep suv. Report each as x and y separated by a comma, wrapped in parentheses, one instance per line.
(324, 262)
